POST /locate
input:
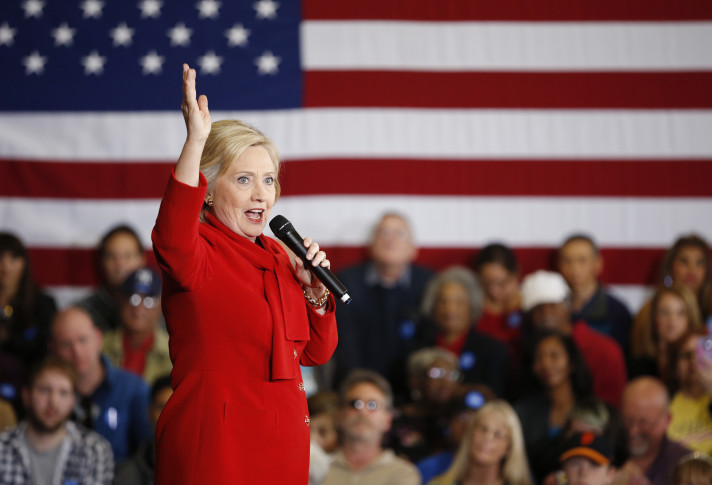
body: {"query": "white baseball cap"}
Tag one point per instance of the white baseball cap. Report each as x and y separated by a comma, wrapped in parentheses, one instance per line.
(543, 287)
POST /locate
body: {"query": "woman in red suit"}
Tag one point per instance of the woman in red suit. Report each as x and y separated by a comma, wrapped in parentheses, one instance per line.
(241, 315)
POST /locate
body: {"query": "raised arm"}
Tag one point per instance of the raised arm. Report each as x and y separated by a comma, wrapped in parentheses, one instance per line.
(197, 123)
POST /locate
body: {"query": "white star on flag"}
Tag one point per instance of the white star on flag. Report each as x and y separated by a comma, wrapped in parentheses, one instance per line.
(150, 8)
(33, 8)
(180, 34)
(63, 35)
(92, 8)
(34, 63)
(7, 34)
(266, 9)
(208, 8)
(122, 35)
(93, 63)
(267, 63)
(237, 35)
(152, 63)
(210, 63)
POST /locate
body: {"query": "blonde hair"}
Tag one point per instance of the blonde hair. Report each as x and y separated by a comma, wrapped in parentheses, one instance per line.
(514, 468)
(228, 139)
(695, 465)
(648, 339)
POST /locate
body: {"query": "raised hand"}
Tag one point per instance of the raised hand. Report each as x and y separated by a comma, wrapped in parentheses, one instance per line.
(195, 110)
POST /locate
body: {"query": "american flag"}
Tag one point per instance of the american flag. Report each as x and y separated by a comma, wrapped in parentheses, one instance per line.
(513, 121)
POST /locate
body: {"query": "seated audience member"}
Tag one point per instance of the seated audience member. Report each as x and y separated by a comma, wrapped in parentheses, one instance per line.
(694, 469)
(47, 447)
(323, 409)
(433, 378)
(581, 264)
(112, 402)
(491, 452)
(7, 415)
(546, 306)
(13, 374)
(139, 468)
(120, 253)
(140, 345)
(364, 420)
(587, 460)
(376, 329)
(25, 311)
(457, 416)
(452, 304)
(691, 423)
(673, 311)
(563, 379)
(645, 409)
(686, 263)
(498, 272)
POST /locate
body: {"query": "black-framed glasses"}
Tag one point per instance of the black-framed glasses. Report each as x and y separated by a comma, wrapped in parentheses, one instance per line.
(371, 405)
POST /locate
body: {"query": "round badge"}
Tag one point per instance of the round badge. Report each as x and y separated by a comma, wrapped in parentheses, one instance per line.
(474, 399)
(8, 391)
(407, 329)
(467, 360)
(30, 333)
(514, 320)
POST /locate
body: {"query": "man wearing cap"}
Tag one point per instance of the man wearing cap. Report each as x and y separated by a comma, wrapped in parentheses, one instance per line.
(546, 306)
(140, 345)
(587, 460)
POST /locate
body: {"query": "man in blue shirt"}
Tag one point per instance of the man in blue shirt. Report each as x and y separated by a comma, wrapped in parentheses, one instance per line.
(111, 401)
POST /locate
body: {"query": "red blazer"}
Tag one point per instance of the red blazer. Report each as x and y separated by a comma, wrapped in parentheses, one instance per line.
(238, 413)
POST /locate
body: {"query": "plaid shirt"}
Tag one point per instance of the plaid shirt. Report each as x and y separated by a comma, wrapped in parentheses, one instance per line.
(85, 458)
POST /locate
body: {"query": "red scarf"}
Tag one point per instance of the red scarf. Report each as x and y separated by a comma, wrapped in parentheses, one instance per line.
(284, 296)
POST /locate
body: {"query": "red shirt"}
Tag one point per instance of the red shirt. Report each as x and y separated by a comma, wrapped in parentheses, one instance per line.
(134, 359)
(456, 346)
(605, 361)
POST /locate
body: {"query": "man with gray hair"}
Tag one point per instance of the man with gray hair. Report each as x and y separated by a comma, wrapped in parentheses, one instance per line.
(364, 418)
(645, 410)
(376, 330)
(545, 301)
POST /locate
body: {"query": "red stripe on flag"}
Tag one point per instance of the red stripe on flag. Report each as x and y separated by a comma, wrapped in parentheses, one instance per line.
(83, 180)
(636, 266)
(514, 10)
(574, 178)
(548, 90)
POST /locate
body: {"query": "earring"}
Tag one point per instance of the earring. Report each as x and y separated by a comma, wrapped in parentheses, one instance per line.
(209, 200)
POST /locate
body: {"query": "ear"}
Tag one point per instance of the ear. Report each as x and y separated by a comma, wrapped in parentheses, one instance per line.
(599, 265)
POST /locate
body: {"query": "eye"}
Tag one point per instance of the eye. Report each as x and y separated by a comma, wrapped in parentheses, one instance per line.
(242, 180)
(269, 180)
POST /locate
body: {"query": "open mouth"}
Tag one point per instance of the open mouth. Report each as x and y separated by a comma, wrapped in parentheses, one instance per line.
(255, 215)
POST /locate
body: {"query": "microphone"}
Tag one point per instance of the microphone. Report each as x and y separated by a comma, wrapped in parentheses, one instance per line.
(286, 233)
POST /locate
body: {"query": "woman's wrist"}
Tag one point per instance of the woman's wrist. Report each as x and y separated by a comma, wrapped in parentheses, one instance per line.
(316, 302)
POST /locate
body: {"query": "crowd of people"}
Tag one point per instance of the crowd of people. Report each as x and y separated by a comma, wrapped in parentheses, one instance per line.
(471, 375)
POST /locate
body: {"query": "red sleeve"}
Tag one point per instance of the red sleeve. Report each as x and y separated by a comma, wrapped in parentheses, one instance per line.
(323, 335)
(176, 240)
(611, 373)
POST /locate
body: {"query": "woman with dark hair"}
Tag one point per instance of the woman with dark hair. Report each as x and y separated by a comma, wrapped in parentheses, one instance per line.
(562, 379)
(120, 253)
(686, 263)
(498, 272)
(26, 311)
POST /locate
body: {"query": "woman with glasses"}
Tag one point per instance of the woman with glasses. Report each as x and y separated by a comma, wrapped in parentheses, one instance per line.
(451, 306)
(491, 452)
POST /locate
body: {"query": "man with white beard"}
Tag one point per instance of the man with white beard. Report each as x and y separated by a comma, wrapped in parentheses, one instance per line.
(47, 448)
(365, 417)
(645, 409)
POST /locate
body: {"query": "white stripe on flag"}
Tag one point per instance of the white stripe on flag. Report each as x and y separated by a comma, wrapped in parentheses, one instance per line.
(437, 221)
(417, 133)
(520, 46)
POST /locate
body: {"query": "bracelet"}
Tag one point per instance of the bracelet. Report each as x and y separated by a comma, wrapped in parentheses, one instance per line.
(316, 303)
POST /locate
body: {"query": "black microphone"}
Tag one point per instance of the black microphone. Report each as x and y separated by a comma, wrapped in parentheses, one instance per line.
(286, 233)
